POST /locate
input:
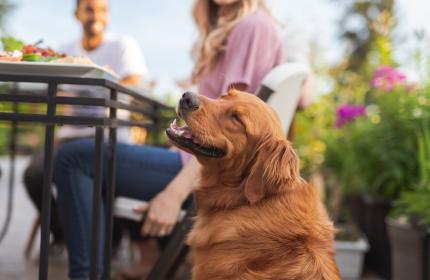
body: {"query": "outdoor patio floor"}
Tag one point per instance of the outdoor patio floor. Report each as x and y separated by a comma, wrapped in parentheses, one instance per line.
(13, 264)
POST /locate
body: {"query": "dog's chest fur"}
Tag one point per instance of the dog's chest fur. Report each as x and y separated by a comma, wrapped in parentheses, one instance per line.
(246, 244)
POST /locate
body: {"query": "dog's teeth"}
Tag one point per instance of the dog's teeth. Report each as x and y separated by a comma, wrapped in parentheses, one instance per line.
(174, 125)
(187, 134)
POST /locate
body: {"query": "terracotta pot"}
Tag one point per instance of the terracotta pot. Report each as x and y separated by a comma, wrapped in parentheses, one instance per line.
(410, 251)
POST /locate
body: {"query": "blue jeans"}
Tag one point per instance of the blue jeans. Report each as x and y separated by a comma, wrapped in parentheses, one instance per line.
(142, 172)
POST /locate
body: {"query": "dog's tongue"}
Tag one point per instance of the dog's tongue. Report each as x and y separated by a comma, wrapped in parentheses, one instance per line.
(183, 131)
(186, 133)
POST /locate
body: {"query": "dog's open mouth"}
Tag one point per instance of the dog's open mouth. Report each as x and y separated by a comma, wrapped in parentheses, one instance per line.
(184, 137)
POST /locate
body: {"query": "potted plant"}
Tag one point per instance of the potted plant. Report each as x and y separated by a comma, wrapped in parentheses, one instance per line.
(350, 245)
(374, 157)
(409, 226)
(366, 151)
(410, 236)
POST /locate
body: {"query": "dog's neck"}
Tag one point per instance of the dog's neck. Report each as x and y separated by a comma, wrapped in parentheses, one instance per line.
(219, 189)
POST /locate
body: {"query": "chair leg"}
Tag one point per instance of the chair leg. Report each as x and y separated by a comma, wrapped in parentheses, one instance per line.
(32, 237)
(179, 260)
(169, 258)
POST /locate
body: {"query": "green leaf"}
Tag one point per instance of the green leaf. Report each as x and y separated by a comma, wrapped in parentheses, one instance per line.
(11, 44)
(32, 57)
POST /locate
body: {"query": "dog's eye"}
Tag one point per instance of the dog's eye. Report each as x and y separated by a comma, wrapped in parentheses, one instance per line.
(236, 117)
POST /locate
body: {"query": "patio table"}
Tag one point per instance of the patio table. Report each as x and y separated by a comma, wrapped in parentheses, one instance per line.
(54, 75)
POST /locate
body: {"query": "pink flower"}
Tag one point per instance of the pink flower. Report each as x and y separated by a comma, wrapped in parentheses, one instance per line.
(387, 78)
(347, 113)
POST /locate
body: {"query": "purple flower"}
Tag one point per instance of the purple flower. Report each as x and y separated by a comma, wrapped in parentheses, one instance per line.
(386, 78)
(347, 113)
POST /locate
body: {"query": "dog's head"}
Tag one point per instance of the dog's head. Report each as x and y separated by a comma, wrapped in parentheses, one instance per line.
(241, 135)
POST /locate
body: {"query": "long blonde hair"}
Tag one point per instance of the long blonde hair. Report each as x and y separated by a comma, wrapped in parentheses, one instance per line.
(214, 30)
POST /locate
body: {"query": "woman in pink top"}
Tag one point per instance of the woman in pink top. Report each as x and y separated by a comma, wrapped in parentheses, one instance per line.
(238, 44)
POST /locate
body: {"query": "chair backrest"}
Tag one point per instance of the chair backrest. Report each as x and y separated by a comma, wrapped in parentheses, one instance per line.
(281, 89)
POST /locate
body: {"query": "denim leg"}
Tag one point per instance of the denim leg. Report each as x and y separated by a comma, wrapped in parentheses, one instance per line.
(142, 172)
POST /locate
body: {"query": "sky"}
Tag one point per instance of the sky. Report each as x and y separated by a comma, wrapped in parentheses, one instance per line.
(165, 30)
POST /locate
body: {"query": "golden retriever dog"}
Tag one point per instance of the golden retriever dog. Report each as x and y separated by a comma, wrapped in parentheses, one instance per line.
(256, 218)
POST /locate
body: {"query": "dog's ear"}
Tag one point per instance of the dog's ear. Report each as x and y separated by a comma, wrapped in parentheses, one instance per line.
(275, 167)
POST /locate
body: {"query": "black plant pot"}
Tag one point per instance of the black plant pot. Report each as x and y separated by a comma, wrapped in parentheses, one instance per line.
(410, 251)
(375, 212)
(354, 204)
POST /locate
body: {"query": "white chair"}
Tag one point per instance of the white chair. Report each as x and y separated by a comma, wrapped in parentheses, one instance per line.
(281, 89)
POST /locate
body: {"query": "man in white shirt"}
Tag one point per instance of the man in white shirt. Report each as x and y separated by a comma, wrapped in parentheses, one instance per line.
(123, 56)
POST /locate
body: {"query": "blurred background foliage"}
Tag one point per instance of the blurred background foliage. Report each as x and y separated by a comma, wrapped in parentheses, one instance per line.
(369, 44)
(383, 153)
(6, 7)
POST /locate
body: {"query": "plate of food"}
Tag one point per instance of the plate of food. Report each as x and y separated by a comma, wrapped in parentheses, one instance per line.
(19, 58)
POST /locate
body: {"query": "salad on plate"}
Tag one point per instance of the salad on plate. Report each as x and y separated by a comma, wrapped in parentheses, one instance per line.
(16, 50)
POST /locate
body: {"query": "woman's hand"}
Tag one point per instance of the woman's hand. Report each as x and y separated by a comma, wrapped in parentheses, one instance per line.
(163, 210)
(162, 214)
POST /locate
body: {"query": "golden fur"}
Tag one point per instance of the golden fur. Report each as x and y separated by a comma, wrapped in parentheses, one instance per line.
(257, 218)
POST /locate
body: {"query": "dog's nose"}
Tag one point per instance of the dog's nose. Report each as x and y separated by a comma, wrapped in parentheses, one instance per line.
(189, 102)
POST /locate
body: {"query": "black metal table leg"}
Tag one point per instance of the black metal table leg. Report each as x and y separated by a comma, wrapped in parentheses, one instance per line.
(47, 184)
(12, 158)
(157, 128)
(97, 204)
(110, 192)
